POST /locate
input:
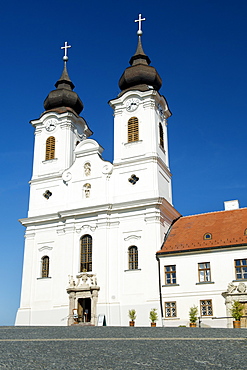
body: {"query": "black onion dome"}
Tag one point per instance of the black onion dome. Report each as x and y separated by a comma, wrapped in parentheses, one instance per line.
(63, 96)
(140, 75)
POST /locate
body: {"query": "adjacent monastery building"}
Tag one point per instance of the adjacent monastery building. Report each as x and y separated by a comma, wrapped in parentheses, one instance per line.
(203, 262)
(94, 227)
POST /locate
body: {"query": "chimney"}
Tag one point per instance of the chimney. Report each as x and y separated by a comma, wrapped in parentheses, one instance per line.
(231, 204)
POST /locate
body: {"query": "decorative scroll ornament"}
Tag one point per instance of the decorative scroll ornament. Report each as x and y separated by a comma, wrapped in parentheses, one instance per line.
(66, 176)
(107, 169)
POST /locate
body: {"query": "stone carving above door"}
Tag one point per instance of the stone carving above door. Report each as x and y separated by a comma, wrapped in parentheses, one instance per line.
(234, 292)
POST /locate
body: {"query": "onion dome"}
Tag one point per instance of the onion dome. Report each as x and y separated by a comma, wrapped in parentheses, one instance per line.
(64, 96)
(140, 76)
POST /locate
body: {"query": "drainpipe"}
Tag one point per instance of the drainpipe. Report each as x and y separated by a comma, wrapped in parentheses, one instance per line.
(161, 305)
(158, 260)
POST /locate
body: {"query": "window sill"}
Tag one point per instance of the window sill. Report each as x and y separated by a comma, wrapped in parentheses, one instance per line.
(44, 278)
(132, 270)
(171, 318)
(238, 280)
(49, 160)
(133, 142)
(205, 282)
(166, 285)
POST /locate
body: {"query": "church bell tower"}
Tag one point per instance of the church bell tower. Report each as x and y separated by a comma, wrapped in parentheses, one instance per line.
(140, 126)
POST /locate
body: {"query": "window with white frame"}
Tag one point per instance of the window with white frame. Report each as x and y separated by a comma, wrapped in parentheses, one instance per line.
(170, 309)
(204, 272)
(241, 269)
(206, 307)
(170, 275)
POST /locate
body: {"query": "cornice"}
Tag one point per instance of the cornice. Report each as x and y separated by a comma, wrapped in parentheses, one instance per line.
(40, 179)
(232, 247)
(107, 209)
(131, 93)
(144, 159)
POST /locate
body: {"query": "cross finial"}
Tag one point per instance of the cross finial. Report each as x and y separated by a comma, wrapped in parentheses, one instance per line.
(65, 47)
(139, 20)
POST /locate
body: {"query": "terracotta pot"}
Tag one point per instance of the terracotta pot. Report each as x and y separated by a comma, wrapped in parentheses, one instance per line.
(132, 323)
(153, 324)
(236, 324)
(193, 324)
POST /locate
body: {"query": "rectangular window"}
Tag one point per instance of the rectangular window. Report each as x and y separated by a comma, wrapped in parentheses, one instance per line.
(241, 269)
(204, 272)
(170, 309)
(170, 275)
(206, 307)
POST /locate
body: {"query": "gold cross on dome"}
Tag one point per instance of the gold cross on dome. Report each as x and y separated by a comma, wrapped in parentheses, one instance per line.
(139, 20)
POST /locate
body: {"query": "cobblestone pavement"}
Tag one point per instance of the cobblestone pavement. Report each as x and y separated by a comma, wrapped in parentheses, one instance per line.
(122, 348)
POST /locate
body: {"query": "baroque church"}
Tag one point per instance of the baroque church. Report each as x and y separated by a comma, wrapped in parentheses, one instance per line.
(103, 238)
(94, 227)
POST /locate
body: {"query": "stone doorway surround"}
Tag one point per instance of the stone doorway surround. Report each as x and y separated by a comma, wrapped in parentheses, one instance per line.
(85, 287)
(234, 293)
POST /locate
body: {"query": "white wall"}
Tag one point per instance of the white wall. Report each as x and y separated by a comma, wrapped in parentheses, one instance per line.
(189, 291)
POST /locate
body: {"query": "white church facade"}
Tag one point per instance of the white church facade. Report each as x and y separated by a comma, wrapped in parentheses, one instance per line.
(94, 227)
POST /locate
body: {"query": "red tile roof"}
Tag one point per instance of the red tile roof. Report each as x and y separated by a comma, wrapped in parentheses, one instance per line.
(227, 229)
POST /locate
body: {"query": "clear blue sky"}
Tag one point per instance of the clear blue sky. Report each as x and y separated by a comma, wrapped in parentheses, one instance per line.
(199, 49)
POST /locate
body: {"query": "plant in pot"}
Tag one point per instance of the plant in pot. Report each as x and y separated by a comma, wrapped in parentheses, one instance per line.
(153, 316)
(237, 313)
(193, 313)
(132, 316)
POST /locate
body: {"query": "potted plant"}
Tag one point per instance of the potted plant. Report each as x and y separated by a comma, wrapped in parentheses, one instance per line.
(132, 316)
(153, 316)
(237, 313)
(193, 312)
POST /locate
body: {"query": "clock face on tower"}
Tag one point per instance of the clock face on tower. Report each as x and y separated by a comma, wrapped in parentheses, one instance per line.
(132, 104)
(50, 125)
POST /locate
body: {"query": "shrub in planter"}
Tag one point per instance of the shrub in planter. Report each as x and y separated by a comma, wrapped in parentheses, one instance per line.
(237, 313)
(193, 315)
(132, 316)
(153, 316)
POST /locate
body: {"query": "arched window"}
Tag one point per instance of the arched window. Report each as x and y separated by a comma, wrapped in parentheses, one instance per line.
(86, 253)
(133, 258)
(50, 148)
(161, 132)
(45, 266)
(133, 129)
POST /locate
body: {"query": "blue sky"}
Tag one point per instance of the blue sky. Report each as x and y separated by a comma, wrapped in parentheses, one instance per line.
(199, 49)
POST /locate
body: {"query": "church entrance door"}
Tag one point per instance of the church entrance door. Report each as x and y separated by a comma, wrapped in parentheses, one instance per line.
(84, 309)
(244, 319)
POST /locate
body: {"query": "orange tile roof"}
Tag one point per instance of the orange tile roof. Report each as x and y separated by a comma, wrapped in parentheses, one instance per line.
(227, 229)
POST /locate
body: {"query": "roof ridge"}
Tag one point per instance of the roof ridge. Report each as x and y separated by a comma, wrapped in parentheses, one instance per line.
(209, 213)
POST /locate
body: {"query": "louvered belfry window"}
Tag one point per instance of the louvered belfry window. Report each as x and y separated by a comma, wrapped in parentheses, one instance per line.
(133, 129)
(86, 253)
(50, 148)
(45, 267)
(161, 135)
